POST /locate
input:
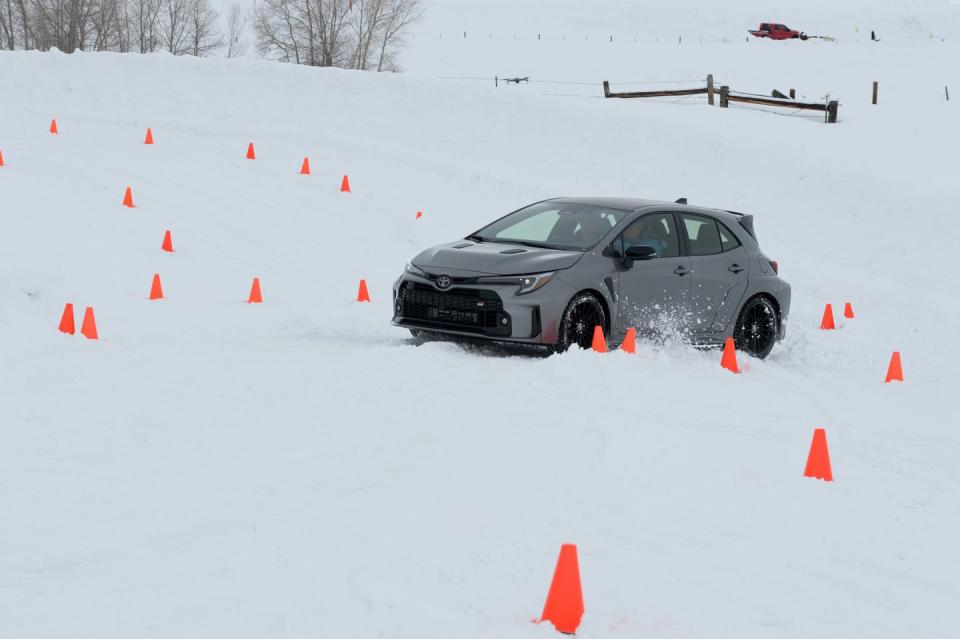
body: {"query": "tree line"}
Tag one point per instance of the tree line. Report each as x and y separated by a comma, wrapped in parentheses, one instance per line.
(178, 26)
(354, 34)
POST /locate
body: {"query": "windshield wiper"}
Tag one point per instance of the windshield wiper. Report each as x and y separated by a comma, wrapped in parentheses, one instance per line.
(534, 244)
(474, 237)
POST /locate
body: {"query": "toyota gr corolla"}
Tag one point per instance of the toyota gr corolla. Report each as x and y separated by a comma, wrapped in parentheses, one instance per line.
(550, 272)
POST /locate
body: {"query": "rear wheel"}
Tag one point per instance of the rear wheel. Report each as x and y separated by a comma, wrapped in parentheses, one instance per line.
(757, 327)
(583, 313)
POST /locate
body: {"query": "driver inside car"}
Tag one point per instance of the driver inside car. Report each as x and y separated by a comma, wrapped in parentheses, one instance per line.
(645, 233)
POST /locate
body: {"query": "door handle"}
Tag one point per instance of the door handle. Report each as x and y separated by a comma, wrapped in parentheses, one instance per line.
(681, 270)
(735, 268)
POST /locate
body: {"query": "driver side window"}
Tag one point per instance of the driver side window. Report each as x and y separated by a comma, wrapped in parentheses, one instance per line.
(656, 230)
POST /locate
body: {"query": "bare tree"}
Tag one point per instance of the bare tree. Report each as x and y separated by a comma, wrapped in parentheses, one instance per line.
(236, 31)
(144, 16)
(205, 35)
(401, 15)
(8, 24)
(173, 26)
(316, 32)
(360, 34)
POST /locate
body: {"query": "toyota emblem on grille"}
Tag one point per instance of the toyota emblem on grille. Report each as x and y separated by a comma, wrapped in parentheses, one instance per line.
(444, 281)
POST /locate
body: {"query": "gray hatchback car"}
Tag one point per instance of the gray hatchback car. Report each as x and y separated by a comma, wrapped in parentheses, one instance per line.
(548, 273)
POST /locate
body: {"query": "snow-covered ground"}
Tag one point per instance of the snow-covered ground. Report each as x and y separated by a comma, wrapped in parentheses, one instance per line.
(299, 468)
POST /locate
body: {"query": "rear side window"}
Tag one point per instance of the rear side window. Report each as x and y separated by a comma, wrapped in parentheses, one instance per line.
(728, 241)
(703, 235)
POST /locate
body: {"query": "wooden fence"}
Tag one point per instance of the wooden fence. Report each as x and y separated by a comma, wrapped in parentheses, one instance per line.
(727, 96)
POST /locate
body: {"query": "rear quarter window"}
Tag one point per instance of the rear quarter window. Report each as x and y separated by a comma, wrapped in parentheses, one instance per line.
(728, 241)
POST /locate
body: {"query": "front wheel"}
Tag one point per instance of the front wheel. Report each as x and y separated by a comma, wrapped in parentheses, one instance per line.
(757, 327)
(582, 315)
(421, 335)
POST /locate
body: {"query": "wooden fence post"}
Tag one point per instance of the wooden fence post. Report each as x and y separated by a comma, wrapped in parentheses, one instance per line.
(946, 90)
(724, 96)
(832, 108)
(710, 89)
(875, 83)
(606, 89)
(496, 81)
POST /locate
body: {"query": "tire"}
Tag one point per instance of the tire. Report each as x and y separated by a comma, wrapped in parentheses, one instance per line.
(582, 314)
(758, 327)
(424, 336)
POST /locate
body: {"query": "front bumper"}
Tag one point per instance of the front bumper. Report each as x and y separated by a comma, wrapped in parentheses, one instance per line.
(479, 310)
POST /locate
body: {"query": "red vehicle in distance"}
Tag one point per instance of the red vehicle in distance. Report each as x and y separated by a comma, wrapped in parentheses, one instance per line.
(776, 31)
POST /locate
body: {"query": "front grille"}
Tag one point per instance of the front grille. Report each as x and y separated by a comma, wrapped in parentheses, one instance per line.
(459, 308)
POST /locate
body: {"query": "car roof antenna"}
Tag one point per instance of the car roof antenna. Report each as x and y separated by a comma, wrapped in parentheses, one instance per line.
(682, 200)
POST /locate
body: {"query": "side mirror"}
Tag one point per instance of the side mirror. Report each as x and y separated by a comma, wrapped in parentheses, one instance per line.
(641, 252)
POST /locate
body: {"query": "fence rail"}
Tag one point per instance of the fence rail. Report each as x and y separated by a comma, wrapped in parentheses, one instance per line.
(650, 94)
(727, 96)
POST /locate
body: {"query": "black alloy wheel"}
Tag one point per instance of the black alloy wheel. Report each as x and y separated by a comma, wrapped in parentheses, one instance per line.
(582, 315)
(758, 327)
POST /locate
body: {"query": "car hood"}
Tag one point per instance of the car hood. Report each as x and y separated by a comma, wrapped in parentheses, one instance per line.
(465, 258)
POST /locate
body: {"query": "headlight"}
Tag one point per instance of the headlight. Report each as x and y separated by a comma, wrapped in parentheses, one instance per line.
(413, 270)
(526, 283)
(530, 283)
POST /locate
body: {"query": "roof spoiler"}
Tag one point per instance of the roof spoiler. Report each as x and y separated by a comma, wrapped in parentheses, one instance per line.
(746, 221)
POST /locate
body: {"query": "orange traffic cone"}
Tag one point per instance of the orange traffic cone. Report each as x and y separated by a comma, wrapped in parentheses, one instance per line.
(818, 461)
(167, 244)
(149, 138)
(345, 184)
(250, 154)
(630, 341)
(255, 296)
(419, 213)
(895, 370)
(564, 606)
(53, 126)
(128, 198)
(66, 320)
(729, 358)
(362, 294)
(826, 323)
(156, 291)
(89, 327)
(848, 310)
(1, 158)
(305, 167)
(599, 341)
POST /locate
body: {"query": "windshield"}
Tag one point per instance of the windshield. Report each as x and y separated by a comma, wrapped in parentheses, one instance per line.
(559, 225)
